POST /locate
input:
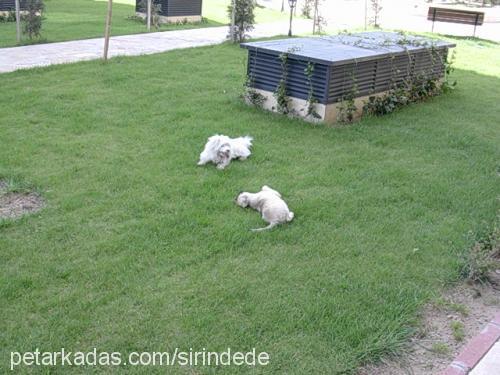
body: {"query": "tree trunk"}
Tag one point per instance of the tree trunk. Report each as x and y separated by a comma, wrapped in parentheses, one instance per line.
(233, 23)
(315, 16)
(107, 30)
(282, 6)
(18, 22)
(149, 15)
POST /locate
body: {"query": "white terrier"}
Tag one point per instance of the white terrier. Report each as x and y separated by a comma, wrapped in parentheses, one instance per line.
(221, 149)
(269, 203)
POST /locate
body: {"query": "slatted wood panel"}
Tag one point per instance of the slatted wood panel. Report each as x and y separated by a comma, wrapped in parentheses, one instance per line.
(468, 17)
(265, 73)
(180, 8)
(371, 77)
(176, 8)
(10, 5)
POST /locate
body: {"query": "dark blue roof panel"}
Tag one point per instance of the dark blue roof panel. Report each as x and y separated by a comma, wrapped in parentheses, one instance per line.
(347, 48)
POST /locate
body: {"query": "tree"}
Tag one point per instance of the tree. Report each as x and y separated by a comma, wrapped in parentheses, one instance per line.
(307, 8)
(107, 30)
(318, 20)
(376, 9)
(33, 18)
(244, 18)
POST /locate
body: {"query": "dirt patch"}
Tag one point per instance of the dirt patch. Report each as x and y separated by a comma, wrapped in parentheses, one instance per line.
(16, 204)
(448, 323)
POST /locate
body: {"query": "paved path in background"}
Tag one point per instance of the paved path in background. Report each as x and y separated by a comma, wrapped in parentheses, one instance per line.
(26, 57)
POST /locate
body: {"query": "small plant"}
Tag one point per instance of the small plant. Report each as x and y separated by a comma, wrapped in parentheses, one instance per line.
(440, 348)
(255, 98)
(482, 257)
(457, 329)
(311, 100)
(244, 18)
(33, 18)
(449, 84)
(280, 94)
(347, 106)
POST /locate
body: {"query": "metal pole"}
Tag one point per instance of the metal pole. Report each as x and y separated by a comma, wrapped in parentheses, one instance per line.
(107, 30)
(18, 22)
(149, 15)
(233, 23)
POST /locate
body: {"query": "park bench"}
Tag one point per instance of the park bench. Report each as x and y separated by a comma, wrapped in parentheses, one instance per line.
(469, 17)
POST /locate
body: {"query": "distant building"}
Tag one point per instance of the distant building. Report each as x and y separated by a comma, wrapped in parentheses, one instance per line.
(174, 11)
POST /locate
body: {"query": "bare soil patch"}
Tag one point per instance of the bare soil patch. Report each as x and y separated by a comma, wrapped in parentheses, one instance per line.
(16, 204)
(448, 323)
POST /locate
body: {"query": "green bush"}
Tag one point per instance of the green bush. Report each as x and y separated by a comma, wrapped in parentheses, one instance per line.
(33, 18)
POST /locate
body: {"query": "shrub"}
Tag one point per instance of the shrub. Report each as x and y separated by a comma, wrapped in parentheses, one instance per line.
(244, 18)
(8, 17)
(33, 18)
(482, 258)
(155, 12)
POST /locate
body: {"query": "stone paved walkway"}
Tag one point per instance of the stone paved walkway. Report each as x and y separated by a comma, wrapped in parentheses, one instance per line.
(25, 57)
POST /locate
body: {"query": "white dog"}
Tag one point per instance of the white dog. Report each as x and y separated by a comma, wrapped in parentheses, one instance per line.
(221, 149)
(269, 203)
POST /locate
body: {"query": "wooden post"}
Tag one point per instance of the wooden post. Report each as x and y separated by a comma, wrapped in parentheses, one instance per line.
(149, 15)
(107, 30)
(233, 23)
(18, 22)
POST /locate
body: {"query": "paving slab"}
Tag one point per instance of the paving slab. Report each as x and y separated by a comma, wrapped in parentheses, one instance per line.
(25, 57)
(490, 364)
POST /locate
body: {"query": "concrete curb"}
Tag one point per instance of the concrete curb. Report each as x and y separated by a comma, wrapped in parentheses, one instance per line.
(475, 349)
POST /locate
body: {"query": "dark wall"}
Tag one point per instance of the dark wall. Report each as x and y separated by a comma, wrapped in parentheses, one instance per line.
(265, 73)
(6, 5)
(176, 8)
(179, 8)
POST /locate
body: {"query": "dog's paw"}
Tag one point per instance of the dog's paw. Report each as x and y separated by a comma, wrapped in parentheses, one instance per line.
(220, 167)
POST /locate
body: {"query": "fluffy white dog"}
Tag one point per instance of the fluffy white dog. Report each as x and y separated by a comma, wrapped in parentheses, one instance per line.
(269, 203)
(221, 149)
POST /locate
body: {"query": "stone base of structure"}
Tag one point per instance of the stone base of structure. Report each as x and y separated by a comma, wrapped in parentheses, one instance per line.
(177, 19)
(328, 113)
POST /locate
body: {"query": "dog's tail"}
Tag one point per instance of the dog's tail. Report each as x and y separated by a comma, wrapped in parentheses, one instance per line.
(290, 216)
(270, 226)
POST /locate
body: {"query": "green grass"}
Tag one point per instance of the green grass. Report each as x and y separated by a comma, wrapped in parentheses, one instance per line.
(139, 249)
(81, 19)
(457, 329)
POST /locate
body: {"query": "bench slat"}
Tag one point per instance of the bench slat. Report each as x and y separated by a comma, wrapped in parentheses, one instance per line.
(455, 16)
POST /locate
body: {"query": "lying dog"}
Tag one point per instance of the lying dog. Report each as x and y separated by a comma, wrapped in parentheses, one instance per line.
(221, 149)
(269, 203)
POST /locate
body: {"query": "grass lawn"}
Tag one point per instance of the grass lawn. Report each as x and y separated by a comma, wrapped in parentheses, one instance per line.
(81, 19)
(139, 249)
